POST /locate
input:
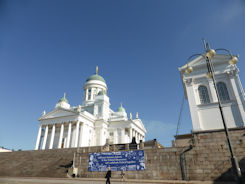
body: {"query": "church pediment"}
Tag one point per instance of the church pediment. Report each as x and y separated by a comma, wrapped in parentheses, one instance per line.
(139, 123)
(58, 112)
(200, 61)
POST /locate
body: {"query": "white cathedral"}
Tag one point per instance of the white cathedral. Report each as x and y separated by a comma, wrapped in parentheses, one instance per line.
(92, 123)
(200, 92)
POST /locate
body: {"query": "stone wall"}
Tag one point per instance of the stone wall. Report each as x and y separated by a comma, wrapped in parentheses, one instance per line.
(209, 159)
(160, 164)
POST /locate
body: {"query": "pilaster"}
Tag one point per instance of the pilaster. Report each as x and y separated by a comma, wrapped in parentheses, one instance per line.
(68, 136)
(45, 138)
(77, 134)
(61, 135)
(52, 137)
(38, 137)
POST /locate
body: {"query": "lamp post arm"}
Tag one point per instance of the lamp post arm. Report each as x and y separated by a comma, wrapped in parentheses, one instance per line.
(224, 50)
(194, 55)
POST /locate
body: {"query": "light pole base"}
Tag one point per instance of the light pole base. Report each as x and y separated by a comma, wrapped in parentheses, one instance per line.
(236, 169)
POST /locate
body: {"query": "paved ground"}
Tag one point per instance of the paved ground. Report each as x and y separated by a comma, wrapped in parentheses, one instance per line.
(32, 180)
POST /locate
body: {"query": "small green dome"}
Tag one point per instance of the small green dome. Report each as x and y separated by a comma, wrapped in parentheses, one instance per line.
(96, 77)
(63, 99)
(121, 109)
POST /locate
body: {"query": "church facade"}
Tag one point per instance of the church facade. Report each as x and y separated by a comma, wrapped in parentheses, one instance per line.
(92, 123)
(200, 92)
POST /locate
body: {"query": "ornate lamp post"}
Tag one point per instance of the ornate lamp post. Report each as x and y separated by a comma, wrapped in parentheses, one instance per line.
(209, 54)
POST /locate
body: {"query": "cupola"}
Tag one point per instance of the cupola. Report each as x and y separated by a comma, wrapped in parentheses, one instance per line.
(95, 85)
(63, 102)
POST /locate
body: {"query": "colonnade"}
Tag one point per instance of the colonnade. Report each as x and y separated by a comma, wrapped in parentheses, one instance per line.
(137, 135)
(78, 126)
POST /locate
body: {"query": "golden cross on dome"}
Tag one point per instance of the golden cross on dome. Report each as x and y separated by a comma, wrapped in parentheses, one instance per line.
(97, 69)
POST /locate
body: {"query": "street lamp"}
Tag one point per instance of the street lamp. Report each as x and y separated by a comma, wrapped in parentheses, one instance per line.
(209, 54)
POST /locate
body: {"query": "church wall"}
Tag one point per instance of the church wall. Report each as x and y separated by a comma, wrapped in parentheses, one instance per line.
(210, 118)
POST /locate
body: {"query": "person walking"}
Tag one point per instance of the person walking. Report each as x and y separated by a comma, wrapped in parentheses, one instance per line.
(108, 176)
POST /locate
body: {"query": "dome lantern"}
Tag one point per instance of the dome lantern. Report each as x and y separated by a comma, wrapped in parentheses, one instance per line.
(121, 109)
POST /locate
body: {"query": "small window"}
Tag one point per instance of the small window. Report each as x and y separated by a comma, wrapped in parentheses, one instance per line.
(89, 94)
(203, 94)
(111, 133)
(99, 110)
(223, 92)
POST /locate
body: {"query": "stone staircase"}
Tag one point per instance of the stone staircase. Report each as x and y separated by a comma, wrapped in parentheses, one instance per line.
(41, 163)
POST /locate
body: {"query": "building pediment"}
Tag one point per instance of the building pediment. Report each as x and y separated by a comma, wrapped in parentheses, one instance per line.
(200, 62)
(139, 123)
(57, 113)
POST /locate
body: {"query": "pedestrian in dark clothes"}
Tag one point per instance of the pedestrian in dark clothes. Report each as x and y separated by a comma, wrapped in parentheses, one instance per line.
(108, 176)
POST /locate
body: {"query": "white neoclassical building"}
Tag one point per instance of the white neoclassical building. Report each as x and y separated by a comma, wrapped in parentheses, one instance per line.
(92, 123)
(202, 98)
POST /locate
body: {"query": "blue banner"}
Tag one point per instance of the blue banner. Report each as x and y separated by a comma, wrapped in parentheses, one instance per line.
(118, 161)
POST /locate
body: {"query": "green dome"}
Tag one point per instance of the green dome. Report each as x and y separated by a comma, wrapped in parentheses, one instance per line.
(121, 109)
(96, 77)
(63, 99)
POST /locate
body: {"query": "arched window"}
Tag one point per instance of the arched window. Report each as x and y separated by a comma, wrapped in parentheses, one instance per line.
(223, 92)
(203, 94)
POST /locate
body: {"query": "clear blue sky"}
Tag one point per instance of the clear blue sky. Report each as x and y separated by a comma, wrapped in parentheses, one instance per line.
(51, 47)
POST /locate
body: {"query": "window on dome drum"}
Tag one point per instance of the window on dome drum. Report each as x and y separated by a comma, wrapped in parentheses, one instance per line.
(100, 110)
(203, 95)
(223, 92)
(89, 94)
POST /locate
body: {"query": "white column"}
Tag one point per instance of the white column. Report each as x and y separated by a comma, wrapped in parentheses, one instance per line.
(81, 135)
(86, 98)
(69, 136)
(38, 137)
(61, 135)
(52, 138)
(130, 134)
(122, 135)
(212, 91)
(197, 125)
(237, 96)
(77, 134)
(45, 137)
